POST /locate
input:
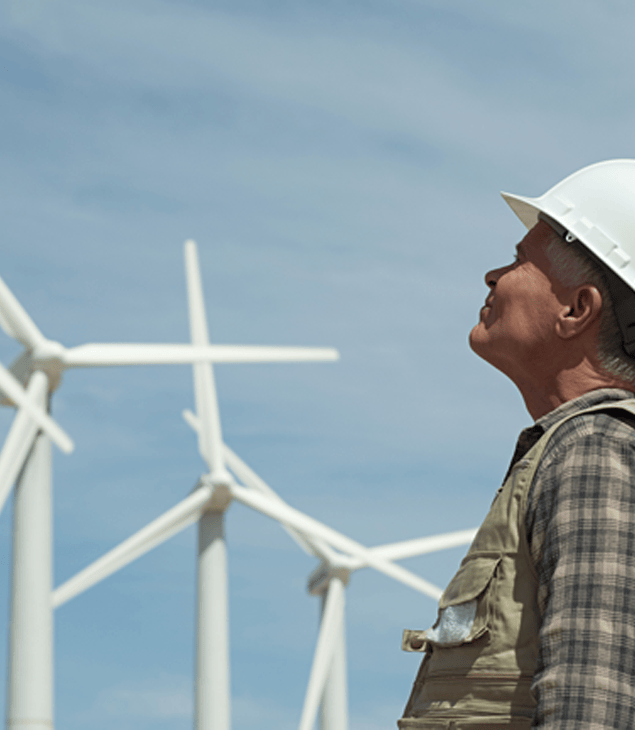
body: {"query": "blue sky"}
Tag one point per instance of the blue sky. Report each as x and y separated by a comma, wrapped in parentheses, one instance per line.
(339, 166)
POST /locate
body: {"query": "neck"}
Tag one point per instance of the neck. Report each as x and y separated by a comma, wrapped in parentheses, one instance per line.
(565, 385)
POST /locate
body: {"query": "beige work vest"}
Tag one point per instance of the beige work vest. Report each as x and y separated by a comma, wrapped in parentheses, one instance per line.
(481, 653)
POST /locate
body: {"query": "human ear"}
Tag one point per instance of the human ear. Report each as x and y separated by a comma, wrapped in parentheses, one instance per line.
(582, 308)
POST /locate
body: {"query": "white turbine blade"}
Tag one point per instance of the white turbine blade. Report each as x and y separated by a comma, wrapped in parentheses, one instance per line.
(7, 326)
(196, 303)
(330, 628)
(106, 354)
(150, 536)
(311, 545)
(14, 390)
(15, 321)
(210, 435)
(15, 450)
(203, 392)
(307, 525)
(418, 546)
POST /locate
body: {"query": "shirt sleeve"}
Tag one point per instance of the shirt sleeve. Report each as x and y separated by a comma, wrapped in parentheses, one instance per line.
(581, 530)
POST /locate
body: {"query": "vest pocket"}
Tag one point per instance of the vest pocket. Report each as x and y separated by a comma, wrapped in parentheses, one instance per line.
(464, 605)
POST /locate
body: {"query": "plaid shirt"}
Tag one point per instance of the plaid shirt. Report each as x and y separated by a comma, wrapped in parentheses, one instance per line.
(581, 529)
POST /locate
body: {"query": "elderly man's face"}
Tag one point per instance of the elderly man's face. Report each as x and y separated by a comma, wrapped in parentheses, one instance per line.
(516, 328)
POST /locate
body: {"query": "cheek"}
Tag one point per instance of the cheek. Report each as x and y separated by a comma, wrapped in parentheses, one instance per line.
(528, 319)
(521, 314)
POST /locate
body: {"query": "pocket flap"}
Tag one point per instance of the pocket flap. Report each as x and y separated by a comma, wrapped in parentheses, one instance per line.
(470, 581)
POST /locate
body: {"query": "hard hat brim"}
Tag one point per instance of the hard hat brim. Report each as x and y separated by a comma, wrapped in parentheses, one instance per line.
(525, 208)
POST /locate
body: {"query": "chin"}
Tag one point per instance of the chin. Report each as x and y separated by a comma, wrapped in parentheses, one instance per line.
(475, 339)
(481, 345)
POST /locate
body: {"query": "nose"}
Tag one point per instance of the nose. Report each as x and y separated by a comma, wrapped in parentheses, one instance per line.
(492, 277)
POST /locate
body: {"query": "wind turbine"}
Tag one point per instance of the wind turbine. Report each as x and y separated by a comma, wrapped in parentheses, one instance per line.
(27, 452)
(207, 504)
(30, 637)
(327, 686)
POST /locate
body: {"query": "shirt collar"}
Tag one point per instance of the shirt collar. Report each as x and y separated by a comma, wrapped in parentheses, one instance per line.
(592, 398)
(529, 436)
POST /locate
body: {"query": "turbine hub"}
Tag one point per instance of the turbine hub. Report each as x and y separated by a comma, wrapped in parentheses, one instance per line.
(321, 577)
(47, 357)
(221, 495)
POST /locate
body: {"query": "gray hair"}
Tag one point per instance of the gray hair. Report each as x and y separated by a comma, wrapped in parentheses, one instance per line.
(573, 267)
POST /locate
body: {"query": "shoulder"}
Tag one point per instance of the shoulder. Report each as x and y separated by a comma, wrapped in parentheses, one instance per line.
(587, 436)
(587, 470)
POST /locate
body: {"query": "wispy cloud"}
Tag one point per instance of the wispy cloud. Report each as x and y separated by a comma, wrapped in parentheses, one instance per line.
(154, 702)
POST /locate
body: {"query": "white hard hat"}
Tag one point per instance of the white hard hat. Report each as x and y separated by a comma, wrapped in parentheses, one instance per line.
(595, 206)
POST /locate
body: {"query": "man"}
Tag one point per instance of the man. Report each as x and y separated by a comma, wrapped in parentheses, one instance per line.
(537, 628)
